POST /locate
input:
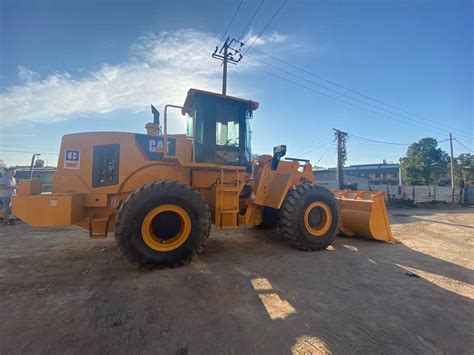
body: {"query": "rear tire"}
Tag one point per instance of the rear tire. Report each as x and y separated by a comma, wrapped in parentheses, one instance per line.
(163, 224)
(309, 217)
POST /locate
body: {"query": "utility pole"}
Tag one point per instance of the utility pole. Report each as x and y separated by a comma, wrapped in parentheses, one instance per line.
(227, 54)
(400, 176)
(400, 172)
(224, 68)
(340, 140)
(452, 165)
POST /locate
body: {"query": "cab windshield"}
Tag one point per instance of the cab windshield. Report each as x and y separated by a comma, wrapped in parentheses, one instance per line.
(227, 125)
(227, 133)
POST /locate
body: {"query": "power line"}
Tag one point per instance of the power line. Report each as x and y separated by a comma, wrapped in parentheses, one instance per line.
(470, 141)
(348, 89)
(38, 148)
(24, 152)
(383, 142)
(322, 156)
(4, 136)
(298, 151)
(231, 21)
(251, 20)
(313, 146)
(357, 92)
(268, 24)
(345, 95)
(375, 141)
(338, 92)
(465, 146)
(337, 99)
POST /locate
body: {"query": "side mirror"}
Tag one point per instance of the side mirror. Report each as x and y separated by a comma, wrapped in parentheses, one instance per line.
(278, 152)
(279, 149)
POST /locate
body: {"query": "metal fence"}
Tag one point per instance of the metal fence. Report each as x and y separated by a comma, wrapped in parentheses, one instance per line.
(469, 195)
(422, 193)
(417, 193)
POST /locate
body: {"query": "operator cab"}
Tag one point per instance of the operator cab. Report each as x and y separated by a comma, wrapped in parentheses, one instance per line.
(220, 127)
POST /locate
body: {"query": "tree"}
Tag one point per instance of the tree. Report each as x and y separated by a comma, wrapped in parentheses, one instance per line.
(425, 163)
(464, 169)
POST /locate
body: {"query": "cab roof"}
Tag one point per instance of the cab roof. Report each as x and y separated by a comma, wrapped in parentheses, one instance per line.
(189, 103)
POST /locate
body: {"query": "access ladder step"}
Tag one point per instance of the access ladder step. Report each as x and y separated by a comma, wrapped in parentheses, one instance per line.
(230, 211)
(233, 189)
(98, 223)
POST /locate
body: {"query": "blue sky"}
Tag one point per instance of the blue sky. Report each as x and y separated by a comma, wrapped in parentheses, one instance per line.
(69, 66)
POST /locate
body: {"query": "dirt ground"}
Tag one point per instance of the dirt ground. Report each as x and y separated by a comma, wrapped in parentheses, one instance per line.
(249, 292)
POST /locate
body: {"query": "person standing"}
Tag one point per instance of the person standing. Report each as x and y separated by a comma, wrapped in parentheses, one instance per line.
(7, 190)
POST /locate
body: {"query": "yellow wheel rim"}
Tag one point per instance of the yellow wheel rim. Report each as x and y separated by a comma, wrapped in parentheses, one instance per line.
(161, 244)
(320, 225)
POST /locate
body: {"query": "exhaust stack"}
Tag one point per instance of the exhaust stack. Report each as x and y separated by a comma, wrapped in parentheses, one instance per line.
(154, 128)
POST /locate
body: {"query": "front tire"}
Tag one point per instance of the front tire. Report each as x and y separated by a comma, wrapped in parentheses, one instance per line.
(162, 224)
(309, 217)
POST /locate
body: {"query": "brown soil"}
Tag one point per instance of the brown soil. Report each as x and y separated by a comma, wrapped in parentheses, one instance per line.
(249, 292)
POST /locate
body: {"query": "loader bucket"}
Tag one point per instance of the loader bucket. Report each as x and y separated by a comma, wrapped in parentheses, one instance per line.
(363, 213)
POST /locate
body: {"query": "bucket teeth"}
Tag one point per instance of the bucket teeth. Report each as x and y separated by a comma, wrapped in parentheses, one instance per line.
(363, 213)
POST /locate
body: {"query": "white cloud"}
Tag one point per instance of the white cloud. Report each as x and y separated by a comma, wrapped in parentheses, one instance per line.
(273, 38)
(160, 70)
(25, 74)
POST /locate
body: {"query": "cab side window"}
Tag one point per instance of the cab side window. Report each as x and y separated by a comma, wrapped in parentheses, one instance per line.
(105, 165)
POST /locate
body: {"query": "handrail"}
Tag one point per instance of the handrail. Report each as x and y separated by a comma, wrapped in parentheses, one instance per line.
(193, 157)
(238, 179)
(165, 131)
(33, 164)
(165, 127)
(222, 197)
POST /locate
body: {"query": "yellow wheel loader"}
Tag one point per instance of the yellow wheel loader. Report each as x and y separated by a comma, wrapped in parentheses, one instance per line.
(160, 192)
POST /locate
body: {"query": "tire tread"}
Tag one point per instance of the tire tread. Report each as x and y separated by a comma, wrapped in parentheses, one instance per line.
(122, 225)
(286, 221)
